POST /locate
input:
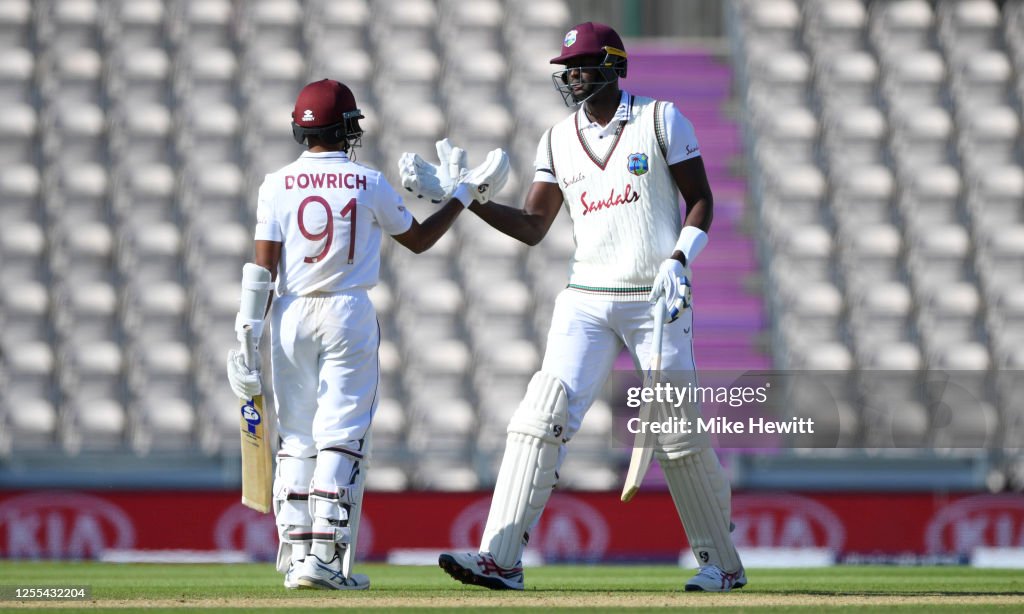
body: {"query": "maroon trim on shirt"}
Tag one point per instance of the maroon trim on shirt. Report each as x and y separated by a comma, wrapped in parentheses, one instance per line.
(601, 164)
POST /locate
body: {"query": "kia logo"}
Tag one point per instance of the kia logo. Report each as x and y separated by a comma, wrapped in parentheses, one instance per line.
(569, 529)
(241, 528)
(982, 520)
(59, 525)
(785, 521)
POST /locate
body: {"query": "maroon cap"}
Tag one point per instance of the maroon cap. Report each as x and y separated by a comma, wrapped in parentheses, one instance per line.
(589, 38)
(323, 103)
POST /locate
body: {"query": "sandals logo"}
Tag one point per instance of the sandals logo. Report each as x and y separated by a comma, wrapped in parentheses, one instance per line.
(613, 200)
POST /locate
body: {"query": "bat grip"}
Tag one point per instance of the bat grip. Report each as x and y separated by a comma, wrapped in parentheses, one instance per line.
(249, 347)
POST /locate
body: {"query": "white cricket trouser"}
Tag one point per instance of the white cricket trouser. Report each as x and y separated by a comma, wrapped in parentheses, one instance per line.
(325, 370)
(588, 332)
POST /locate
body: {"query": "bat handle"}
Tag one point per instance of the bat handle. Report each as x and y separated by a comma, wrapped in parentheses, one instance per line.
(660, 311)
(248, 346)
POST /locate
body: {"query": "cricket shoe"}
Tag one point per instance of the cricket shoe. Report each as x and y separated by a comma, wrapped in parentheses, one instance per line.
(291, 577)
(314, 573)
(712, 579)
(479, 569)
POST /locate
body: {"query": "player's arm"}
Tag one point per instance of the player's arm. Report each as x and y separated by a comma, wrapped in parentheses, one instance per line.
(268, 256)
(692, 180)
(529, 224)
(421, 237)
(687, 170)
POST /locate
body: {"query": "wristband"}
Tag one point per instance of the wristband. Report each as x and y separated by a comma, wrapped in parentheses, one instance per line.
(463, 195)
(692, 241)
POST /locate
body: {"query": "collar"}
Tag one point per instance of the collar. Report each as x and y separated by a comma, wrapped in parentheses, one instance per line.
(622, 113)
(321, 155)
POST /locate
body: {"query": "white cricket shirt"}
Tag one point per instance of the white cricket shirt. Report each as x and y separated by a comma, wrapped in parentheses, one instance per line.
(619, 192)
(328, 212)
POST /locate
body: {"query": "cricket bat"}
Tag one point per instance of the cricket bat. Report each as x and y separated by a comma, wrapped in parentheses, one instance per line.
(257, 478)
(643, 448)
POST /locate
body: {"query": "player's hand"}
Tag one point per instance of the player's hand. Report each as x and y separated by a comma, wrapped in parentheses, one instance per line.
(673, 283)
(245, 382)
(488, 178)
(434, 181)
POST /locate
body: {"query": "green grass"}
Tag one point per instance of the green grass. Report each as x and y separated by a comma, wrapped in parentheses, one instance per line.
(137, 587)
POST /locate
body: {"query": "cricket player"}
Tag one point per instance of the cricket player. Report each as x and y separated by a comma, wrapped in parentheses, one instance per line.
(616, 165)
(319, 222)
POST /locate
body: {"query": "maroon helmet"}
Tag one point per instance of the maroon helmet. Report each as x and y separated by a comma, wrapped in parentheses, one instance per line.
(595, 40)
(327, 109)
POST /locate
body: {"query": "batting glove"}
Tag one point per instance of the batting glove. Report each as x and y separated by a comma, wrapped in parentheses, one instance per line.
(489, 177)
(436, 182)
(673, 283)
(245, 382)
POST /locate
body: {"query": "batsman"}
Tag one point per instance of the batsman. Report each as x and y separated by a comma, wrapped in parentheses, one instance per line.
(319, 223)
(617, 164)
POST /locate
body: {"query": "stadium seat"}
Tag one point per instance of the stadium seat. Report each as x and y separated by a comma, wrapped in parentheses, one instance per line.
(848, 79)
(23, 251)
(16, 74)
(18, 130)
(162, 423)
(989, 137)
(83, 252)
(831, 25)
(134, 24)
(386, 478)
(87, 311)
(72, 75)
(899, 26)
(75, 134)
(916, 79)
(15, 24)
(144, 193)
(19, 190)
(142, 135)
(93, 422)
(32, 426)
(28, 368)
(206, 75)
(69, 24)
(269, 24)
(154, 311)
(25, 314)
(202, 23)
(969, 25)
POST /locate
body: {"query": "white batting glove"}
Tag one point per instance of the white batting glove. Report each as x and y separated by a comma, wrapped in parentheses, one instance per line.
(434, 181)
(245, 382)
(489, 177)
(673, 283)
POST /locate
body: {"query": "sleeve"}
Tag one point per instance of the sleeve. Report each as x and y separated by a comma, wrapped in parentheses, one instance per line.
(268, 228)
(544, 165)
(682, 139)
(388, 209)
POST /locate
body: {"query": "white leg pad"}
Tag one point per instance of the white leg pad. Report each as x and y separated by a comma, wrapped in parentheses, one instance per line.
(528, 469)
(291, 508)
(702, 497)
(332, 503)
(359, 482)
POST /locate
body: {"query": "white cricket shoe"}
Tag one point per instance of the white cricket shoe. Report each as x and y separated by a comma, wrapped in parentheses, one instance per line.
(314, 573)
(479, 569)
(291, 577)
(712, 579)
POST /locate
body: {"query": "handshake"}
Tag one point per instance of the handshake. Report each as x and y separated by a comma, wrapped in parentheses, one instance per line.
(440, 182)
